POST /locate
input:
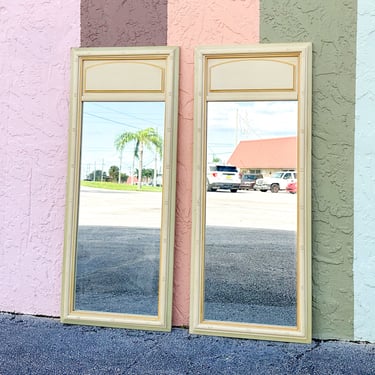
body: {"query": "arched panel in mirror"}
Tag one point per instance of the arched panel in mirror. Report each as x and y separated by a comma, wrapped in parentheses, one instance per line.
(251, 220)
(121, 186)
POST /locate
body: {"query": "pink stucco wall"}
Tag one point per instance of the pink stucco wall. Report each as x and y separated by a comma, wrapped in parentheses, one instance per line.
(192, 23)
(35, 40)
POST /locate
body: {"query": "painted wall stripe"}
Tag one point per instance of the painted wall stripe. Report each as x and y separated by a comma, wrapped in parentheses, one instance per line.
(106, 23)
(190, 24)
(35, 43)
(364, 176)
(331, 27)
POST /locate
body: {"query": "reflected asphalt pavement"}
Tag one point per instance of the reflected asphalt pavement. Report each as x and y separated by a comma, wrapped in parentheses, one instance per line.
(250, 273)
(44, 346)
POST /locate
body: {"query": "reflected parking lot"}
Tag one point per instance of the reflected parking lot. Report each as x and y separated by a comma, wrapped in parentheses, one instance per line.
(250, 244)
(251, 209)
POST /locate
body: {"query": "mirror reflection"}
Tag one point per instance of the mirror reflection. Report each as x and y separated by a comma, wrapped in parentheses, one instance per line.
(251, 212)
(119, 221)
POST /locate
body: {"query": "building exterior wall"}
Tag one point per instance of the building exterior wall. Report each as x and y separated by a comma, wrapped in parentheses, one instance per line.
(35, 71)
(35, 74)
(331, 27)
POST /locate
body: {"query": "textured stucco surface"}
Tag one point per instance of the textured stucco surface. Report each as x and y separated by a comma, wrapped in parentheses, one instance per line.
(106, 23)
(34, 46)
(364, 177)
(331, 26)
(190, 24)
(34, 66)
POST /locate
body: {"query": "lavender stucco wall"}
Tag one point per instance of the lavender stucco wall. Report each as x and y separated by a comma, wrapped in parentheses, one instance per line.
(35, 40)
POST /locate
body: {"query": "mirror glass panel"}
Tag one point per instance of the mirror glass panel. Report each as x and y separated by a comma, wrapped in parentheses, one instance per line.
(250, 236)
(118, 239)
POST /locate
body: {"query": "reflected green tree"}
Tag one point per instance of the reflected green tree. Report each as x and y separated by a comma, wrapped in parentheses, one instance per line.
(144, 138)
(113, 172)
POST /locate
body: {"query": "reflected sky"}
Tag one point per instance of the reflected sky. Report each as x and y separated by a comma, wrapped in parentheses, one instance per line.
(232, 122)
(103, 122)
(229, 123)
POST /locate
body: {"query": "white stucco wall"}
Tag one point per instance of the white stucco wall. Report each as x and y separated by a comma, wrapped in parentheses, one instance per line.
(35, 42)
(364, 176)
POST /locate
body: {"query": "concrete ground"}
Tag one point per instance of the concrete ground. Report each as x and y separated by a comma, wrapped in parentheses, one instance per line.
(35, 345)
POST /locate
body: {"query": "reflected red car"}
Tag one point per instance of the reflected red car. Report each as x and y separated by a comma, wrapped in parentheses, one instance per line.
(292, 187)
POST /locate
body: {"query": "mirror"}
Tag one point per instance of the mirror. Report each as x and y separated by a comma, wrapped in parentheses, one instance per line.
(250, 255)
(119, 236)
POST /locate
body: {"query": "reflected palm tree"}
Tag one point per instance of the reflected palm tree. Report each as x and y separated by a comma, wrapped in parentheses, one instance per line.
(148, 138)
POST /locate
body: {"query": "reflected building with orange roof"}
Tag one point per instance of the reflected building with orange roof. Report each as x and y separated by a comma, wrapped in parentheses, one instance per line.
(265, 155)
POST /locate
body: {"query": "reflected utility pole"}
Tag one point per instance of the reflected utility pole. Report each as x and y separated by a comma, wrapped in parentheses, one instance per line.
(119, 168)
(156, 163)
(237, 126)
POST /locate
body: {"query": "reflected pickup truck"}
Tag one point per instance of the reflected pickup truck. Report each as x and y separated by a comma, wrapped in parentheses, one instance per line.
(278, 181)
(223, 177)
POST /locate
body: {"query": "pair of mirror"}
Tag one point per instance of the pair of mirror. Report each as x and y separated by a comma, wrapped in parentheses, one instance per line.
(250, 269)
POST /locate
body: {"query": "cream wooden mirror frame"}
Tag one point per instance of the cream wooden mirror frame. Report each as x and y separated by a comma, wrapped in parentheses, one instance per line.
(114, 76)
(253, 73)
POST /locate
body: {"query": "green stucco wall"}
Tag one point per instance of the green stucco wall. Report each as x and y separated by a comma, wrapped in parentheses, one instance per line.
(331, 27)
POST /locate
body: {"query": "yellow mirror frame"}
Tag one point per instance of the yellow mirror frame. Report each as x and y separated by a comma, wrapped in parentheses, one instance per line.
(268, 72)
(122, 75)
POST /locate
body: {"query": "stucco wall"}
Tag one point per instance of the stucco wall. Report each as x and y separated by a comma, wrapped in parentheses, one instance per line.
(35, 70)
(364, 176)
(34, 47)
(331, 26)
(106, 23)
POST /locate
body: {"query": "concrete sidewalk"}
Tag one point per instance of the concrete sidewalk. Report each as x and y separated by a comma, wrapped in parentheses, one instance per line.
(34, 345)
